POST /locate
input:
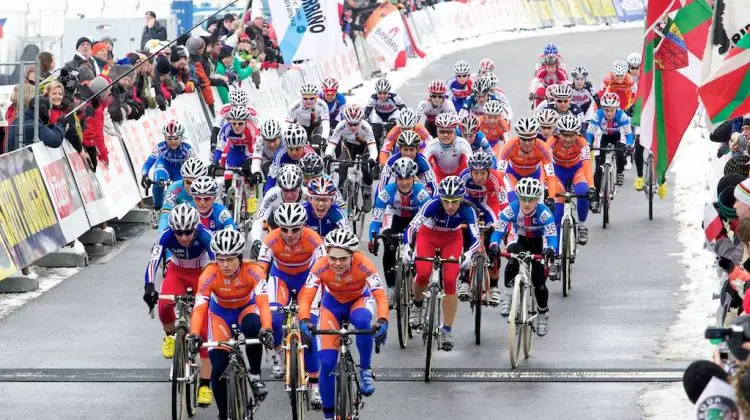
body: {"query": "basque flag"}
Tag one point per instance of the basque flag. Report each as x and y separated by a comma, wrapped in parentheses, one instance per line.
(712, 224)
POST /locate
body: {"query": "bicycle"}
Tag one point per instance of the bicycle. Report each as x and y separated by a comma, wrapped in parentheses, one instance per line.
(403, 292)
(387, 127)
(523, 310)
(184, 373)
(480, 281)
(351, 191)
(434, 296)
(296, 378)
(238, 202)
(241, 402)
(568, 248)
(348, 397)
(608, 187)
(650, 184)
(156, 214)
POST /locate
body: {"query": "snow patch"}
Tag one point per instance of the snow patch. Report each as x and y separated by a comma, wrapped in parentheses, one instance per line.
(664, 402)
(48, 278)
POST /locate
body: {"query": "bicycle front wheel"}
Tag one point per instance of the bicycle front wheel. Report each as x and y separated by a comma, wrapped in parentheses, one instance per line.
(180, 387)
(430, 333)
(237, 399)
(478, 280)
(528, 308)
(565, 266)
(295, 379)
(605, 197)
(402, 306)
(343, 392)
(515, 318)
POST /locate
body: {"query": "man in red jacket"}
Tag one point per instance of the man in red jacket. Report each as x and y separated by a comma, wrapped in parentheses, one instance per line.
(92, 118)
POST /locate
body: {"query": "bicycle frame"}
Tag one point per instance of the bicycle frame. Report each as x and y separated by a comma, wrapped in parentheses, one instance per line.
(291, 329)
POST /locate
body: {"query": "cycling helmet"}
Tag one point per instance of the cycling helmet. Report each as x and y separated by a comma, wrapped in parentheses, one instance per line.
(238, 97)
(470, 123)
(550, 60)
(461, 68)
(486, 65)
(634, 60)
(480, 160)
(451, 187)
(493, 107)
(270, 130)
(446, 120)
(437, 87)
(353, 113)
(549, 93)
(547, 117)
(568, 124)
(405, 168)
(290, 177)
(238, 113)
(308, 89)
(311, 165)
(290, 215)
(321, 187)
(330, 84)
(408, 139)
(407, 119)
(228, 242)
(341, 238)
(481, 86)
(204, 186)
(382, 85)
(491, 80)
(295, 136)
(529, 188)
(579, 72)
(193, 168)
(173, 128)
(563, 91)
(526, 127)
(610, 99)
(184, 217)
(619, 68)
(550, 49)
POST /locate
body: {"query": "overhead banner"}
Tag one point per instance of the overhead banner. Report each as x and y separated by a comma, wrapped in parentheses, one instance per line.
(28, 222)
(386, 35)
(307, 29)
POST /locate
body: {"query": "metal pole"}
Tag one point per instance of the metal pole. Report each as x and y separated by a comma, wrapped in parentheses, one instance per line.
(38, 90)
(20, 109)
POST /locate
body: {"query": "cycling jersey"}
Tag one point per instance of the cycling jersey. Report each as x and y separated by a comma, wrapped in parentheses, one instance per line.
(196, 255)
(542, 79)
(459, 92)
(236, 148)
(515, 161)
(289, 261)
(311, 117)
(496, 135)
(490, 198)
(447, 160)
(425, 174)
(335, 106)
(221, 117)
(624, 89)
(176, 194)
(540, 223)
(391, 202)
(390, 141)
(568, 157)
(272, 200)
(281, 158)
(262, 154)
(172, 157)
(573, 110)
(480, 142)
(335, 218)
(383, 109)
(363, 136)
(471, 106)
(619, 124)
(572, 167)
(433, 217)
(584, 98)
(218, 218)
(427, 112)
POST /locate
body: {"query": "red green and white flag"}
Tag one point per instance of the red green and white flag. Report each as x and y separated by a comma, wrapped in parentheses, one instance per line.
(675, 40)
(726, 93)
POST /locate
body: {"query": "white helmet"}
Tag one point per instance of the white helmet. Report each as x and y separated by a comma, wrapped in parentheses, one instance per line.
(493, 107)
(295, 136)
(470, 123)
(173, 128)
(451, 187)
(290, 177)
(352, 113)
(547, 117)
(526, 127)
(405, 168)
(563, 91)
(408, 139)
(341, 238)
(619, 68)
(238, 97)
(529, 188)
(270, 130)
(461, 68)
(204, 186)
(407, 119)
(238, 113)
(610, 99)
(579, 72)
(382, 85)
(549, 93)
(568, 123)
(184, 217)
(228, 242)
(480, 160)
(634, 59)
(311, 165)
(486, 65)
(308, 89)
(193, 168)
(446, 120)
(290, 215)
(481, 86)
(491, 79)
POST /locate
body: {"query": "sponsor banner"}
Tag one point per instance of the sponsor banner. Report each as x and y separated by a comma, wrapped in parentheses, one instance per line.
(188, 110)
(7, 267)
(307, 29)
(386, 35)
(121, 190)
(563, 13)
(580, 15)
(542, 12)
(28, 222)
(628, 10)
(601, 10)
(138, 144)
(62, 189)
(88, 185)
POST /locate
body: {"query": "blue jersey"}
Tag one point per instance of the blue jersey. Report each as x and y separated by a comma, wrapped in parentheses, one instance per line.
(432, 216)
(175, 157)
(480, 142)
(334, 219)
(541, 223)
(176, 194)
(238, 146)
(280, 159)
(390, 201)
(335, 106)
(620, 123)
(218, 218)
(472, 106)
(459, 92)
(425, 174)
(196, 255)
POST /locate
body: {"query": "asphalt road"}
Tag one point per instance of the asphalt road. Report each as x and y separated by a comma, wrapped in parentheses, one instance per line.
(626, 280)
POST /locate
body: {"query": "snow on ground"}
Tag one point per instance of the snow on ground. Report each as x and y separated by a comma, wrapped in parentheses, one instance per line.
(48, 278)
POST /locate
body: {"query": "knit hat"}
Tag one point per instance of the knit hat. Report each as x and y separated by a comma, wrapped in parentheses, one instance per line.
(116, 71)
(226, 51)
(81, 40)
(745, 121)
(100, 82)
(178, 52)
(85, 73)
(739, 165)
(194, 44)
(98, 47)
(742, 192)
(163, 66)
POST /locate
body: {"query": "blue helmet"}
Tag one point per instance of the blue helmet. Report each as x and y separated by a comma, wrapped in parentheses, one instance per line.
(451, 187)
(550, 49)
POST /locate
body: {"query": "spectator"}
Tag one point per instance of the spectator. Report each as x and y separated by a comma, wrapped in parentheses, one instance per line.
(243, 64)
(143, 80)
(738, 165)
(60, 104)
(110, 43)
(51, 135)
(83, 56)
(226, 28)
(199, 69)
(212, 25)
(742, 199)
(722, 133)
(225, 61)
(152, 30)
(213, 48)
(46, 65)
(180, 71)
(29, 75)
(101, 56)
(163, 84)
(92, 119)
(122, 105)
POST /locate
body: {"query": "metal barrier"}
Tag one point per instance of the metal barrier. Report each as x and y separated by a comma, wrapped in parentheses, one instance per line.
(19, 68)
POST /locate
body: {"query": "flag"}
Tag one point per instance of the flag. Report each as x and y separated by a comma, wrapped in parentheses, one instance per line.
(726, 92)
(2, 23)
(712, 224)
(674, 45)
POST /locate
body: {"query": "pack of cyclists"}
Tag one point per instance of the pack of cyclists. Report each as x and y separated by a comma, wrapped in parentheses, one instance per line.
(449, 175)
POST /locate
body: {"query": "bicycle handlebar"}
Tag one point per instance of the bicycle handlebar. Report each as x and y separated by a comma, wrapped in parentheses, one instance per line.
(231, 343)
(341, 331)
(568, 195)
(609, 149)
(522, 255)
(442, 260)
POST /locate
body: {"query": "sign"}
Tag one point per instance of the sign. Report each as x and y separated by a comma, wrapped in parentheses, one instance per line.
(628, 10)
(307, 29)
(117, 180)
(183, 11)
(7, 267)
(88, 186)
(717, 401)
(28, 222)
(386, 35)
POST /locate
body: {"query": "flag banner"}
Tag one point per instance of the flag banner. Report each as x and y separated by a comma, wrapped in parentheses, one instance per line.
(307, 29)
(712, 224)
(385, 34)
(726, 93)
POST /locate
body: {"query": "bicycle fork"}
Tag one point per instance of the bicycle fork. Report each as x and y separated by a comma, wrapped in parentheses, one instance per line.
(300, 363)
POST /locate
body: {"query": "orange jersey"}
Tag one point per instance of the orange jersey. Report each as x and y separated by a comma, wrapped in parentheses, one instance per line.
(347, 288)
(623, 90)
(294, 259)
(230, 293)
(496, 134)
(512, 158)
(390, 141)
(568, 157)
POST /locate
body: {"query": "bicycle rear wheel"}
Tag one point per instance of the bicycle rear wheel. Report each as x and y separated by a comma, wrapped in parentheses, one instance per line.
(480, 277)
(565, 266)
(180, 388)
(343, 392)
(236, 394)
(296, 382)
(429, 333)
(605, 197)
(514, 319)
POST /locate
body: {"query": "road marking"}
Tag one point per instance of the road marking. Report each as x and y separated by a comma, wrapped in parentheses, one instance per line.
(382, 375)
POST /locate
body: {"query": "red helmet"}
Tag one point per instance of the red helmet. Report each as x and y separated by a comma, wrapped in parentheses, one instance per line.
(469, 124)
(438, 86)
(330, 85)
(446, 120)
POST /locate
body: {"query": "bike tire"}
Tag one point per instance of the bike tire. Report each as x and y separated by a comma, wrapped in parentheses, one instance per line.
(480, 273)
(236, 395)
(514, 329)
(402, 310)
(296, 397)
(343, 395)
(180, 390)
(650, 188)
(528, 307)
(605, 198)
(430, 334)
(565, 257)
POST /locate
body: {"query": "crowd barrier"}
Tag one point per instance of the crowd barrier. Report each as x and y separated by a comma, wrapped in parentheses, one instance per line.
(49, 197)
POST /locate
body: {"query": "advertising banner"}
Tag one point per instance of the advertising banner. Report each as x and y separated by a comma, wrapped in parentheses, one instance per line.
(88, 186)
(307, 29)
(7, 267)
(386, 35)
(121, 190)
(628, 10)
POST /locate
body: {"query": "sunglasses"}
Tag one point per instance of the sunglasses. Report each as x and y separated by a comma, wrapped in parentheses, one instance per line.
(445, 131)
(462, 75)
(291, 230)
(527, 139)
(528, 199)
(203, 199)
(238, 123)
(436, 96)
(451, 200)
(184, 232)
(308, 99)
(562, 101)
(353, 124)
(174, 138)
(634, 68)
(338, 259)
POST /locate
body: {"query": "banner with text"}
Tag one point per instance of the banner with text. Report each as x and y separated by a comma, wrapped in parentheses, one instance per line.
(307, 28)
(386, 35)
(628, 10)
(88, 185)
(121, 190)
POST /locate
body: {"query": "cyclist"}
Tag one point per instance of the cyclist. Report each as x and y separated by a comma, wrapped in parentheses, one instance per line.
(634, 70)
(231, 291)
(460, 84)
(179, 192)
(468, 128)
(406, 121)
(236, 144)
(166, 161)
(449, 154)
(237, 97)
(571, 155)
(584, 94)
(295, 147)
(213, 215)
(396, 204)
(287, 190)
(549, 73)
(549, 98)
(525, 156)
(408, 142)
(494, 126)
(286, 256)
(265, 150)
(547, 119)
(618, 81)
(486, 65)
(563, 105)
(500, 96)
(614, 126)
(436, 104)
(358, 140)
(313, 166)
(438, 225)
(335, 101)
(484, 189)
(311, 113)
(323, 215)
(481, 93)
(383, 106)
(349, 283)
(534, 231)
